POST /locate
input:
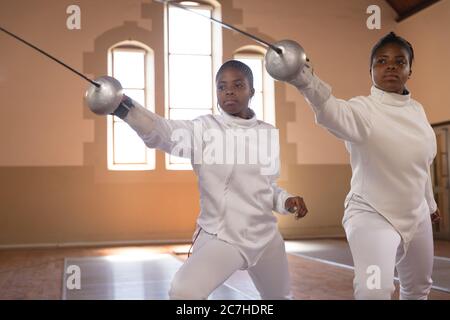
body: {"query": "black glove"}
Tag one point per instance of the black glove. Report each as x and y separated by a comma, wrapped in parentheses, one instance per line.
(124, 107)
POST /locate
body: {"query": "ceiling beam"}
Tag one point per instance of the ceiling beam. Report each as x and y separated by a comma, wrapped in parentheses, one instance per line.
(413, 10)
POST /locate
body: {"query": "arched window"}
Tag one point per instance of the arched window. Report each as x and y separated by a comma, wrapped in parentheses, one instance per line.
(193, 52)
(263, 103)
(132, 63)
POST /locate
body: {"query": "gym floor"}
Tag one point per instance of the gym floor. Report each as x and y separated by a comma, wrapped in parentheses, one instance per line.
(38, 273)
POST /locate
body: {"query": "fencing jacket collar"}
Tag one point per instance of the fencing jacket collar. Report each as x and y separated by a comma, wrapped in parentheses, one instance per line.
(234, 121)
(390, 98)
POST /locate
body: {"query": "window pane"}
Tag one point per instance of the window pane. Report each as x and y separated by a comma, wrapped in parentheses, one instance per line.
(257, 105)
(256, 64)
(190, 82)
(137, 95)
(179, 160)
(187, 114)
(129, 68)
(189, 33)
(128, 147)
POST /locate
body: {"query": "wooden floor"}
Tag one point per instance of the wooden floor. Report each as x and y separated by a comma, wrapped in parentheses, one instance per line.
(37, 273)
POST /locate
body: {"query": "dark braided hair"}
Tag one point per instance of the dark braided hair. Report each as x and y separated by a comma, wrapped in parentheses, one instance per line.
(237, 65)
(392, 38)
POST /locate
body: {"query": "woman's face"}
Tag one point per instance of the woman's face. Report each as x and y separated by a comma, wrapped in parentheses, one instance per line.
(391, 68)
(234, 92)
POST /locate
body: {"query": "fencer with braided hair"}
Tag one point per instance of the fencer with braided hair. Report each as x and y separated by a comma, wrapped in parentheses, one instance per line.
(390, 207)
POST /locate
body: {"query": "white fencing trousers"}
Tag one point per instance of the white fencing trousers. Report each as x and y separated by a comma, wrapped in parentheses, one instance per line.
(213, 261)
(377, 249)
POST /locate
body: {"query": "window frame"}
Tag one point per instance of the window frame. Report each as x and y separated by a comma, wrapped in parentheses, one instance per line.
(216, 61)
(268, 84)
(149, 98)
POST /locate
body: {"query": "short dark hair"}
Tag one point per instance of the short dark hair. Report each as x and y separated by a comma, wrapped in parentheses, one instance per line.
(237, 65)
(392, 38)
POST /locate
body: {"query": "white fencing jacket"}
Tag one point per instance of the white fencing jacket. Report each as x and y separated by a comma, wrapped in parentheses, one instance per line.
(236, 200)
(391, 146)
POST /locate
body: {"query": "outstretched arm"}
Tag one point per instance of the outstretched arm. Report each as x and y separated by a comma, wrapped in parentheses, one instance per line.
(347, 120)
(172, 136)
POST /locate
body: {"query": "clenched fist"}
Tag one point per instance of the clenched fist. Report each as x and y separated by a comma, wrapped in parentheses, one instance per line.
(297, 206)
(436, 216)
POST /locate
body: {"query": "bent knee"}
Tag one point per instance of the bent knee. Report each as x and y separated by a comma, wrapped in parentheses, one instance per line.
(183, 289)
(382, 292)
(415, 292)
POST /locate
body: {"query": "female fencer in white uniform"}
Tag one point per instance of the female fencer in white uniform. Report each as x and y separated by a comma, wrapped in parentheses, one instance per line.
(236, 226)
(391, 145)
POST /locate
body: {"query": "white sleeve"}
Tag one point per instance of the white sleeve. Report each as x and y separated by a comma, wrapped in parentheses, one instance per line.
(172, 136)
(279, 194)
(347, 120)
(429, 195)
(279, 199)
